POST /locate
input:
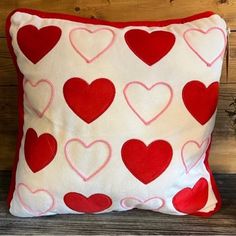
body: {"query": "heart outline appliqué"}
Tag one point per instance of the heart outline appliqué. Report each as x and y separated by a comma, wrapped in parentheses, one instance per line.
(40, 114)
(96, 56)
(87, 146)
(221, 53)
(35, 192)
(148, 122)
(142, 202)
(188, 168)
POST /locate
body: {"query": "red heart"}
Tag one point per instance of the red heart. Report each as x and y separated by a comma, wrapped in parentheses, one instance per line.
(88, 101)
(150, 47)
(36, 43)
(146, 163)
(200, 101)
(191, 200)
(95, 203)
(39, 151)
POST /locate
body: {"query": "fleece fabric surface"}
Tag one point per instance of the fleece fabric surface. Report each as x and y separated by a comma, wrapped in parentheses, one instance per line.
(115, 116)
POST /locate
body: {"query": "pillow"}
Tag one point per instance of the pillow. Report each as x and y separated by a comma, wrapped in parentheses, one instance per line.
(115, 116)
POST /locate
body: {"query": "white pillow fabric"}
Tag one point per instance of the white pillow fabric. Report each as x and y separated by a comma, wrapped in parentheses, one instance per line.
(115, 116)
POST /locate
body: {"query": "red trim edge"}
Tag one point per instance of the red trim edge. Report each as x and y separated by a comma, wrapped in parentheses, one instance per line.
(20, 98)
(90, 21)
(74, 18)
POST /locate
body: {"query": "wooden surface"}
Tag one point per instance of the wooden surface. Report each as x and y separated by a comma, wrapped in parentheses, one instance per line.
(134, 222)
(223, 155)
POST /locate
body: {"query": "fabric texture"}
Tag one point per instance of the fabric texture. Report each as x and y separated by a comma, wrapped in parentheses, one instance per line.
(115, 115)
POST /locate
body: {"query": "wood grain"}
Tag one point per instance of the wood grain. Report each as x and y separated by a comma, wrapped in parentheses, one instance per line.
(223, 153)
(124, 10)
(232, 58)
(8, 147)
(223, 123)
(8, 109)
(8, 72)
(223, 150)
(134, 222)
(7, 69)
(222, 158)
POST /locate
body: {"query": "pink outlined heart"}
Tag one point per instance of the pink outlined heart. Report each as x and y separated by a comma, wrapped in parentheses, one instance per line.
(208, 63)
(143, 202)
(98, 54)
(34, 193)
(199, 146)
(99, 168)
(40, 114)
(148, 122)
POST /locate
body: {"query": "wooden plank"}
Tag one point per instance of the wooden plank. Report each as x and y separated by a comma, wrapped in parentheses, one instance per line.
(224, 72)
(121, 10)
(232, 58)
(7, 69)
(8, 147)
(222, 158)
(134, 222)
(223, 122)
(223, 154)
(124, 10)
(8, 72)
(8, 109)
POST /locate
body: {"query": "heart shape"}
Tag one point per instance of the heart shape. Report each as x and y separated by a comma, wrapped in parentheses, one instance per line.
(208, 45)
(154, 203)
(88, 160)
(201, 101)
(190, 156)
(146, 163)
(157, 101)
(191, 200)
(39, 151)
(89, 44)
(89, 101)
(37, 202)
(149, 47)
(36, 43)
(36, 95)
(95, 203)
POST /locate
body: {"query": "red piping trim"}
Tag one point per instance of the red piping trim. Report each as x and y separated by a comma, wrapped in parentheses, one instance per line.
(114, 24)
(20, 98)
(89, 21)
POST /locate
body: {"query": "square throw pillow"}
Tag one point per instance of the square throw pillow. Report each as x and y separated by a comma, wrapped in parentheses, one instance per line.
(115, 116)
